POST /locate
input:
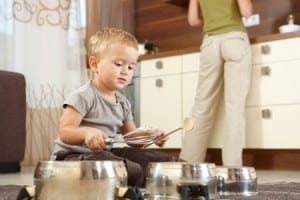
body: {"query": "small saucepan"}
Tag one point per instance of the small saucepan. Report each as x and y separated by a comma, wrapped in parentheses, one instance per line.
(181, 180)
(236, 181)
(79, 179)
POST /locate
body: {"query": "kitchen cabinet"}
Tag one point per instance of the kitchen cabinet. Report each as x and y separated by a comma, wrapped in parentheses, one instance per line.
(160, 96)
(278, 129)
(167, 91)
(272, 108)
(275, 83)
(273, 105)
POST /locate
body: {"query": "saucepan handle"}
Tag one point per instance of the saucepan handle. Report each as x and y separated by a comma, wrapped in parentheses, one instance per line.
(190, 190)
(26, 193)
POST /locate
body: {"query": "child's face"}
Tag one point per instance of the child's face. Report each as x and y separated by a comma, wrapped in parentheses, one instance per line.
(115, 66)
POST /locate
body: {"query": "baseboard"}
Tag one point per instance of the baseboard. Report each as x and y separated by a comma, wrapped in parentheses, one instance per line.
(10, 167)
(267, 159)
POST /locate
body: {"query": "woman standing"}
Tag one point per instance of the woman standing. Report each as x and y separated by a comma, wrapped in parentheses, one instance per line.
(225, 65)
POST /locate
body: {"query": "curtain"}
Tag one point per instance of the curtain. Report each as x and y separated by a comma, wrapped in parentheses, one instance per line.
(44, 40)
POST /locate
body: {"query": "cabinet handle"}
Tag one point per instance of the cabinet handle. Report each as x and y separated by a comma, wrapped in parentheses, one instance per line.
(159, 64)
(265, 49)
(159, 83)
(266, 71)
(266, 113)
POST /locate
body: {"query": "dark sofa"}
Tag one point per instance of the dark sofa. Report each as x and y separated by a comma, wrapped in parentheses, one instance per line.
(12, 121)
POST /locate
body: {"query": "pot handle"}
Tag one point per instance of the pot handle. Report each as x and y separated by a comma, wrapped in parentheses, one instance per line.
(26, 193)
(220, 184)
(187, 190)
(131, 193)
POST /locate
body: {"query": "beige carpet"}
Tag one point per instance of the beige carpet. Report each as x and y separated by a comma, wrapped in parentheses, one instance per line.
(274, 191)
(9, 192)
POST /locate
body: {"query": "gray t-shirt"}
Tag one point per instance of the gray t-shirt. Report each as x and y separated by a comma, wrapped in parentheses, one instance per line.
(96, 112)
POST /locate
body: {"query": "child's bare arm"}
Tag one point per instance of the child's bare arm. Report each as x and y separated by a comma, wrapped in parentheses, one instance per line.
(71, 133)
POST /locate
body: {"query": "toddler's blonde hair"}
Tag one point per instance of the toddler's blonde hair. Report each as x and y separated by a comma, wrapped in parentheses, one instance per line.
(103, 38)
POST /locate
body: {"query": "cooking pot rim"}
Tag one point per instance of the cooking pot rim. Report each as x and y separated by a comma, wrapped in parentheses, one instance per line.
(180, 164)
(68, 163)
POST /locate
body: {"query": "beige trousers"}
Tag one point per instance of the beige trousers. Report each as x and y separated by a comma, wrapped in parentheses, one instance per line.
(225, 64)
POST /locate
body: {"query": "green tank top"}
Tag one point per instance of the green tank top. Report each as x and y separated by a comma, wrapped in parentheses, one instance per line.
(221, 16)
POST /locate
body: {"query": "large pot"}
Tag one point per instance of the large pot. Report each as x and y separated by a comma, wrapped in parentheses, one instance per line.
(79, 180)
(236, 181)
(181, 180)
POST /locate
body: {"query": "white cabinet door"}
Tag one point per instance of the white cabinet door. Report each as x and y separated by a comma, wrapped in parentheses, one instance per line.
(160, 105)
(279, 50)
(273, 104)
(273, 127)
(190, 62)
(275, 83)
(160, 96)
(161, 66)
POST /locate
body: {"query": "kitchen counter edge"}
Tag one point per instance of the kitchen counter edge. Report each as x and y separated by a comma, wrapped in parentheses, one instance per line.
(253, 40)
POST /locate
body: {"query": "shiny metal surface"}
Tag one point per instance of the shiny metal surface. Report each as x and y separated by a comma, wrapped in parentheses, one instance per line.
(237, 181)
(162, 179)
(78, 180)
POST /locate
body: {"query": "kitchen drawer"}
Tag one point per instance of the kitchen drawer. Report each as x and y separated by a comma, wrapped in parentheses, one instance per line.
(278, 50)
(273, 127)
(163, 66)
(160, 105)
(275, 83)
(191, 62)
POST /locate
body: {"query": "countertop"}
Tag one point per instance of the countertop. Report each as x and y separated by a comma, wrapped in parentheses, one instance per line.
(253, 40)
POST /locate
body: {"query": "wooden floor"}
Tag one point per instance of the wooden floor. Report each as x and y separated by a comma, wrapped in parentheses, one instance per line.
(265, 159)
(25, 177)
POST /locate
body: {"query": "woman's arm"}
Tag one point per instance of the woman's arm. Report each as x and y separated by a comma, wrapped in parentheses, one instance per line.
(194, 18)
(246, 7)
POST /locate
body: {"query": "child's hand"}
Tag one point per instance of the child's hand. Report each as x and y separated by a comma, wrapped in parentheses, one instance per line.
(95, 139)
(161, 139)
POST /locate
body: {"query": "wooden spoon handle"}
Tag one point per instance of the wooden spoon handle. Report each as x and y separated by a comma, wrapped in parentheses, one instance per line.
(167, 134)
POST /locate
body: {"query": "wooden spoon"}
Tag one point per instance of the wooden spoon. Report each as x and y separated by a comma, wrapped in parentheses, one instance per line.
(187, 124)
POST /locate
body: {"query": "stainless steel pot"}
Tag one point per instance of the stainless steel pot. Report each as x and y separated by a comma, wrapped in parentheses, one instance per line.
(181, 180)
(236, 181)
(79, 180)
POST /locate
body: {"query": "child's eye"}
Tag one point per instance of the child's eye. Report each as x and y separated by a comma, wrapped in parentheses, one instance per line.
(130, 67)
(119, 64)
